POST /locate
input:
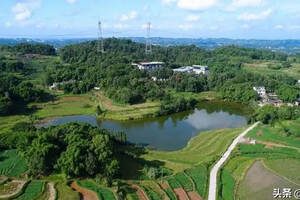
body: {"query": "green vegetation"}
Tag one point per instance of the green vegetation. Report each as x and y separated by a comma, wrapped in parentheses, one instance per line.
(281, 135)
(65, 106)
(226, 185)
(33, 189)
(11, 164)
(64, 192)
(102, 193)
(204, 148)
(285, 167)
(174, 184)
(151, 193)
(184, 181)
(30, 48)
(200, 177)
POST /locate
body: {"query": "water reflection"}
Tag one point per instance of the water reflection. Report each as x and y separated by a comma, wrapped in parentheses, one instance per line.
(170, 132)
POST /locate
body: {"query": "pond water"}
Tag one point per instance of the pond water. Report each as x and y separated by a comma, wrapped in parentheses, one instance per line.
(170, 132)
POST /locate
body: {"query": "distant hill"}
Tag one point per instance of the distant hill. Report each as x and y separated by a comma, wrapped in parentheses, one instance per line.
(286, 46)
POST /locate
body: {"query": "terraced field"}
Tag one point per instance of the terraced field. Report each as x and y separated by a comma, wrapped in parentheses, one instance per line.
(102, 193)
(200, 177)
(33, 190)
(11, 164)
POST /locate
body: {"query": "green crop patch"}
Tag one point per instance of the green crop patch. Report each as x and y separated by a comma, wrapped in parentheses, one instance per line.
(102, 193)
(11, 164)
(200, 177)
(32, 190)
(184, 181)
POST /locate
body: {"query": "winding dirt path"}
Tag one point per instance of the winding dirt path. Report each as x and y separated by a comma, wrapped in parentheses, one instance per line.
(52, 191)
(213, 174)
(86, 194)
(19, 188)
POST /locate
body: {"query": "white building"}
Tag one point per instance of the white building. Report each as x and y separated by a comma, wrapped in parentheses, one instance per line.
(199, 69)
(149, 65)
(261, 91)
(196, 69)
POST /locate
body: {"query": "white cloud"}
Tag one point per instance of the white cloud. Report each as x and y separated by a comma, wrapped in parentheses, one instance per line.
(255, 16)
(247, 3)
(7, 24)
(192, 4)
(185, 26)
(130, 16)
(244, 4)
(192, 18)
(23, 10)
(71, 1)
(196, 4)
(279, 26)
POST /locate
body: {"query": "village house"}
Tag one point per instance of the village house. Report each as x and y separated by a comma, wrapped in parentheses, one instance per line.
(261, 91)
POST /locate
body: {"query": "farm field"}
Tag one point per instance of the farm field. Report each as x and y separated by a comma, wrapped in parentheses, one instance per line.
(11, 164)
(64, 192)
(33, 189)
(102, 193)
(287, 133)
(288, 168)
(259, 183)
(200, 177)
(261, 67)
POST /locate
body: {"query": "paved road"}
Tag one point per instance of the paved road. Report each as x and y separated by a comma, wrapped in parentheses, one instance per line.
(213, 174)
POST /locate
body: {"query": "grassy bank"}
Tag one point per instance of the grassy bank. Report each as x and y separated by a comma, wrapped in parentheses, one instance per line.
(207, 147)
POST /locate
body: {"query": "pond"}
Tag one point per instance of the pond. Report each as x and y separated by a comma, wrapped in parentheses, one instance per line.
(170, 132)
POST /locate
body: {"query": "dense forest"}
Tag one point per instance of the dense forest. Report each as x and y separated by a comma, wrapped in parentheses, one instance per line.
(30, 48)
(84, 68)
(77, 150)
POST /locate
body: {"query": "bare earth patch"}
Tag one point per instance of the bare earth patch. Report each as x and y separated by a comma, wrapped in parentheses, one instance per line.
(52, 191)
(86, 194)
(17, 187)
(194, 196)
(259, 183)
(181, 194)
(141, 194)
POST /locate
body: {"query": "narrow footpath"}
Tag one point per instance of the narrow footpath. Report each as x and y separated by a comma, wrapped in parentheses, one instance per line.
(213, 174)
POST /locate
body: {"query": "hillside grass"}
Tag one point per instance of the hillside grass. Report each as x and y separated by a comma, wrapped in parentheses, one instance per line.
(206, 147)
(261, 67)
(277, 134)
(65, 106)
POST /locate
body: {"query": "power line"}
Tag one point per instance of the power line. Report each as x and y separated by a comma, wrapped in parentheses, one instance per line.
(148, 40)
(100, 39)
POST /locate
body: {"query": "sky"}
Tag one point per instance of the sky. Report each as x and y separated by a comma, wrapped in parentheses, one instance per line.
(236, 19)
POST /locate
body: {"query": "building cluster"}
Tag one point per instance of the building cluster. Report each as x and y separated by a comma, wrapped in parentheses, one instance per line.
(271, 98)
(196, 69)
(149, 65)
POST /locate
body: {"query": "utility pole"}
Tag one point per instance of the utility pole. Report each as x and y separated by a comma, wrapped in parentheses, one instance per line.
(100, 39)
(148, 40)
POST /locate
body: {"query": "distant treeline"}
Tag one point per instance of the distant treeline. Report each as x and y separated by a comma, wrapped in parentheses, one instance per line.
(30, 48)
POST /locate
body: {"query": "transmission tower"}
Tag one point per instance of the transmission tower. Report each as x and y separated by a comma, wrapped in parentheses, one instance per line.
(100, 38)
(148, 40)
